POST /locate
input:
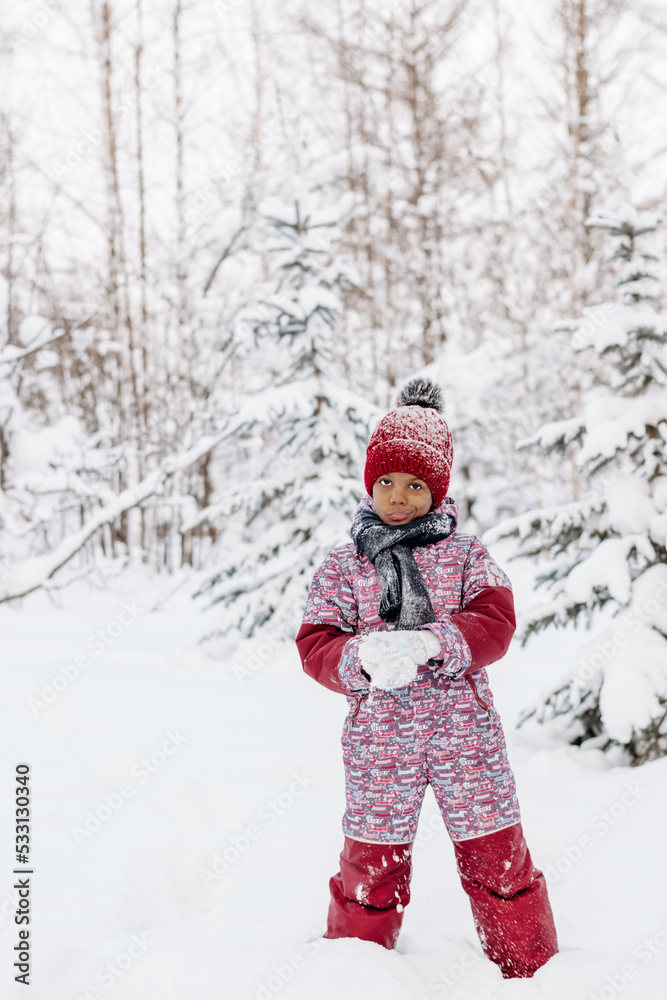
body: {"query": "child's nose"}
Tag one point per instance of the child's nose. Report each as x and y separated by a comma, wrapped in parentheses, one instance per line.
(398, 495)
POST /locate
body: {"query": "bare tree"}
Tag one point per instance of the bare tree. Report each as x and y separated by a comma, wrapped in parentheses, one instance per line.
(411, 121)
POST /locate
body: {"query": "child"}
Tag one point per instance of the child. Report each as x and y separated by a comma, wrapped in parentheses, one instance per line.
(404, 621)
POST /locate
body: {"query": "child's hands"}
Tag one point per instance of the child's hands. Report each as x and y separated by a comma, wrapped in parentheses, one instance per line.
(385, 666)
(393, 672)
(391, 658)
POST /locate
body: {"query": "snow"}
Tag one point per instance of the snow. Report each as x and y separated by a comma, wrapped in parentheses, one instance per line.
(607, 566)
(394, 673)
(659, 489)
(4, 298)
(629, 506)
(551, 519)
(617, 222)
(658, 529)
(611, 421)
(551, 434)
(649, 598)
(616, 327)
(34, 572)
(34, 330)
(629, 695)
(36, 450)
(313, 297)
(154, 887)
(252, 774)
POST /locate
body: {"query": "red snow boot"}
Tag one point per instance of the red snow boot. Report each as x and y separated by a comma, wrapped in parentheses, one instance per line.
(370, 891)
(509, 901)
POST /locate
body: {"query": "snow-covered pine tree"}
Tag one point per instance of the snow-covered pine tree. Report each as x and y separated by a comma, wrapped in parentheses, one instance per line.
(608, 554)
(303, 432)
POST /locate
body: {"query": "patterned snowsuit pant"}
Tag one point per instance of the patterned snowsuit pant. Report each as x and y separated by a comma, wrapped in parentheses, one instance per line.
(395, 744)
(434, 732)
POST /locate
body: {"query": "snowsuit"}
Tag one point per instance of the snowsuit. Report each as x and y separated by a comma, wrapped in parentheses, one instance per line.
(442, 730)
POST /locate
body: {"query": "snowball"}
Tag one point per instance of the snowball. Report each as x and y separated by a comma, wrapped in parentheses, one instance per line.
(397, 672)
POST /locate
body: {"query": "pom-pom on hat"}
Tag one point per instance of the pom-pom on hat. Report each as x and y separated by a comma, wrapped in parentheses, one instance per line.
(413, 438)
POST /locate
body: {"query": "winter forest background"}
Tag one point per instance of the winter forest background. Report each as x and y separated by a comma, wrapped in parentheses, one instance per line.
(231, 230)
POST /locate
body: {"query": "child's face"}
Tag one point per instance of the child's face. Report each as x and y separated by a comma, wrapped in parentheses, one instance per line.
(399, 497)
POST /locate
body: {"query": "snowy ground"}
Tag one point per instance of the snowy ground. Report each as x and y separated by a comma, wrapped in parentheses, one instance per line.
(186, 820)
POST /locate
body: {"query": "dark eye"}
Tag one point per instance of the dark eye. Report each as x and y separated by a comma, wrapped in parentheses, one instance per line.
(384, 482)
(417, 486)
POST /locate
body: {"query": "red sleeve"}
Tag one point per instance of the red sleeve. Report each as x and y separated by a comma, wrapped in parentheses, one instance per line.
(320, 648)
(487, 623)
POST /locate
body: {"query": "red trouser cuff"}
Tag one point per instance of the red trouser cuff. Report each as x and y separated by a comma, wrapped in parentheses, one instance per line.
(370, 891)
(509, 901)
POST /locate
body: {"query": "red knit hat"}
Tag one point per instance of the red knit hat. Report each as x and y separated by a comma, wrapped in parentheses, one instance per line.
(413, 438)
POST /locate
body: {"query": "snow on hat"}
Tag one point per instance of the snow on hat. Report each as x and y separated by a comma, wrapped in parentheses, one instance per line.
(413, 438)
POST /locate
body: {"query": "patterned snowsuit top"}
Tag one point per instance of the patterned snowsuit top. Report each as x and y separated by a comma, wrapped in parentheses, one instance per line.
(442, 729)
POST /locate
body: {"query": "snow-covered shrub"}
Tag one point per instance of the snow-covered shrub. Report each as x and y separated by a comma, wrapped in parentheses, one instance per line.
(608, 550)
(304, 431)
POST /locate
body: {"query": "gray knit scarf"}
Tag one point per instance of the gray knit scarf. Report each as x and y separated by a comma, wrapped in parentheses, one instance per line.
(405, 598)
